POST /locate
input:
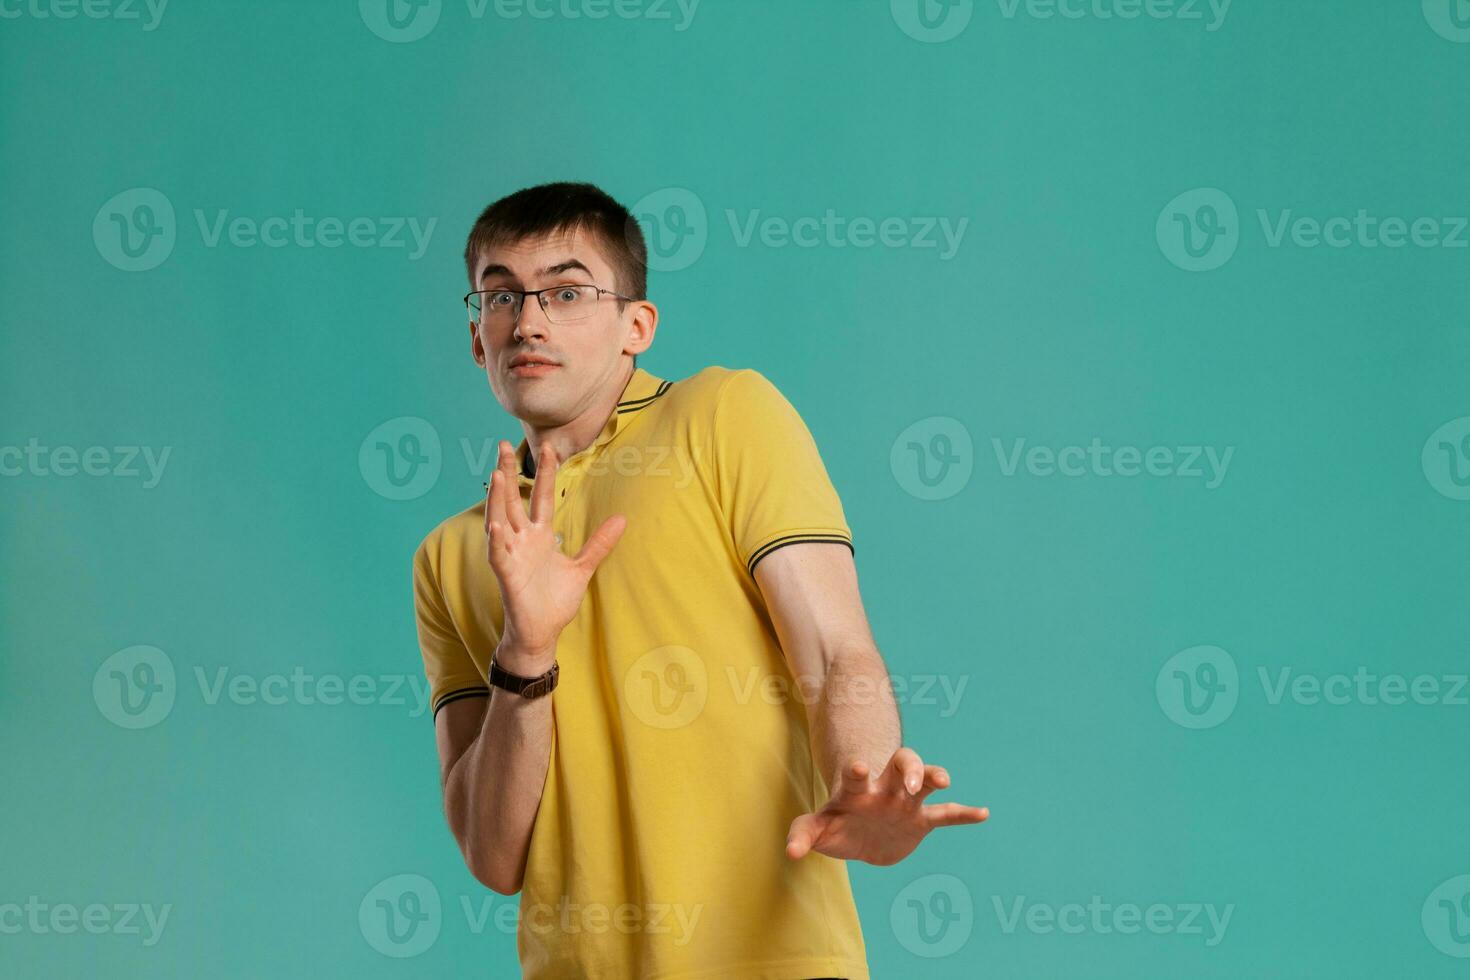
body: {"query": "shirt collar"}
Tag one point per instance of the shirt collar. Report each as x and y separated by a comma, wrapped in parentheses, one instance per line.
(642, 390)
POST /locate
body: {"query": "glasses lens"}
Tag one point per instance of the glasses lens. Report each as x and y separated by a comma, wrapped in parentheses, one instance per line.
(569, 303)
(485, 307)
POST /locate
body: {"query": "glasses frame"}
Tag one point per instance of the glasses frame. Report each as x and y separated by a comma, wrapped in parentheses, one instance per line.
(539, 300)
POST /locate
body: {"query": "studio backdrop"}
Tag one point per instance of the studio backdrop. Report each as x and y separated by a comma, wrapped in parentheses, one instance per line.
(1133, 334)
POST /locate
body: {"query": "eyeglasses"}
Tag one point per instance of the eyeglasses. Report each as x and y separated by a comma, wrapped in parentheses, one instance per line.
(569, 301)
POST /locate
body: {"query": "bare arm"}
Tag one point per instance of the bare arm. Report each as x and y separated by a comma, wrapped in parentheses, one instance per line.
(876, 811)
(811, 590)
(494, 754)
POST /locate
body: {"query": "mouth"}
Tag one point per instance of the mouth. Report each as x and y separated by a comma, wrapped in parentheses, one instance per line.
(531, 367)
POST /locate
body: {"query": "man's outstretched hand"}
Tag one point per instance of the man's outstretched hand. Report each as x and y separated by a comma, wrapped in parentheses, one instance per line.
(880, 819)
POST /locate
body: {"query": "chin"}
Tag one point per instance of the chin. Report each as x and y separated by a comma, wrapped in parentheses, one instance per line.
(537, 406)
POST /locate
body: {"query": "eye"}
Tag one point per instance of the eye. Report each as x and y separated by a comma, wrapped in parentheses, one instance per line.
(500, 299)
(567, 294)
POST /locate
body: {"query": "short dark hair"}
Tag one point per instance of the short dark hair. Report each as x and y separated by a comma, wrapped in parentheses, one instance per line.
(565, 207)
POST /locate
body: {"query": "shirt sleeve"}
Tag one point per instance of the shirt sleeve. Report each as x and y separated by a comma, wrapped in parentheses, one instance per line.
(448, 666)
(773, 488)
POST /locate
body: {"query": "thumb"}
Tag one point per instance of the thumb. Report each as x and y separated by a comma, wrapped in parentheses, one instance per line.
(601, 542)
(805, 831)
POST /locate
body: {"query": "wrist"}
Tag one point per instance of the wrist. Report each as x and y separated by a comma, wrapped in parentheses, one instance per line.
(523, 660)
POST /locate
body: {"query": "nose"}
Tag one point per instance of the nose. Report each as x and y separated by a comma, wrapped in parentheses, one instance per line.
(531, 324)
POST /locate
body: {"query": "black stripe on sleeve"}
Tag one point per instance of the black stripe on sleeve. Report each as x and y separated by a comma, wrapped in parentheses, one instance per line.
(782, 542)
(463, 692)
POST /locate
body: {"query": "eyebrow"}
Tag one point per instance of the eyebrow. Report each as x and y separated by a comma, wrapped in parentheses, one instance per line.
(550, 270)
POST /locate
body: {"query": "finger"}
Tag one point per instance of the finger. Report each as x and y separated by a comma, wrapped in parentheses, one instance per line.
(515, 511)
(495, 544)
(601, 543)
(953, 814)
(805, 831)
(490, 488)
(904, 770)
(854, 778)
(543, 492)
(495, 506)
(935, 777)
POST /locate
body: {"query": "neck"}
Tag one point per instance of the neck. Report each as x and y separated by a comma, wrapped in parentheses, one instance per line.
(572, 437)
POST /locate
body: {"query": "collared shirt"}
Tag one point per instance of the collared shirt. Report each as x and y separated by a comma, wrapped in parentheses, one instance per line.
(680, 745)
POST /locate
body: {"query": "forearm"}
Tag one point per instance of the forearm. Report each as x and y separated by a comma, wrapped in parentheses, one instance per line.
(856, 716)
(494, 790)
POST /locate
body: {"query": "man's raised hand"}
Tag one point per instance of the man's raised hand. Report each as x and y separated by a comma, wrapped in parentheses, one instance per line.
(541, 588)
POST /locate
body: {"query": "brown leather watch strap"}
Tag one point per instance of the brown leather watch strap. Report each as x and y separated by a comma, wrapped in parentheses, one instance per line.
(526, 687)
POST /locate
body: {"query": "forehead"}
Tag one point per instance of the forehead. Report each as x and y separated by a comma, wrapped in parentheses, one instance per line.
(538, 256)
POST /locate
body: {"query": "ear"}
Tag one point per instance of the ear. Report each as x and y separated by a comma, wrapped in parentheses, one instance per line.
(477, 349)
(641, 318)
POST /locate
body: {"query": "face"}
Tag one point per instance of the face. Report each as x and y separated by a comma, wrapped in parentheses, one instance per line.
(586, 356)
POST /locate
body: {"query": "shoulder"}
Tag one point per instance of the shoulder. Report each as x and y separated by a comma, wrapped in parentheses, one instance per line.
(448, 542)
(718, 385)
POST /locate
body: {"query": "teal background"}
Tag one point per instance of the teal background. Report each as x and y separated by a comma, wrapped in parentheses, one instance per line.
(264, 548)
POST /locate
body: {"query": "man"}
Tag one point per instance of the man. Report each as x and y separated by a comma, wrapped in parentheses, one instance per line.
(647, 653)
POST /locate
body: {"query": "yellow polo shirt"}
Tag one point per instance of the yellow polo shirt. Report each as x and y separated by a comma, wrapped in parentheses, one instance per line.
(680, 747)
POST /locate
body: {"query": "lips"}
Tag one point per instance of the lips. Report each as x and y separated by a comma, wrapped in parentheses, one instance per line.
(530, 360)
(531, 367)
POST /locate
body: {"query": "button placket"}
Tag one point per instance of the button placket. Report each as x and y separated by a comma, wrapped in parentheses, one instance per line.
(562, 477)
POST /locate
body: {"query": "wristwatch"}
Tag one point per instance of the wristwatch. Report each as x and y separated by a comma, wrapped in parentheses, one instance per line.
(526, 687)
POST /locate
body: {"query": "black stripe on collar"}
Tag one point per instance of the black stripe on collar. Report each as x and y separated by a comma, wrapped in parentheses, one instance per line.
(634, 404)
